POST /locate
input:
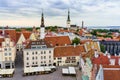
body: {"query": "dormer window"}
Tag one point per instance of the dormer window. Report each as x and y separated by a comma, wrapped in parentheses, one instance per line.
(119, 61)
(112, 61)
(5, 49)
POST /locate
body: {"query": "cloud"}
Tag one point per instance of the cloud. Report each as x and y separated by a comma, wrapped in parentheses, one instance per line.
(93, 12)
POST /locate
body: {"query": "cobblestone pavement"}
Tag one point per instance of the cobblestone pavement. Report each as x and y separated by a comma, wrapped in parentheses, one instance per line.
(57, 75)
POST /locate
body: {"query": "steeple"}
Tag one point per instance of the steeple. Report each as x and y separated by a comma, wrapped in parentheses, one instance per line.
(42, 27)
(68, 20)
(42, 20)
(82, 24)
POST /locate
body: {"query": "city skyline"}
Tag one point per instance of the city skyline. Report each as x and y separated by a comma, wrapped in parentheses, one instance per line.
(28, 13)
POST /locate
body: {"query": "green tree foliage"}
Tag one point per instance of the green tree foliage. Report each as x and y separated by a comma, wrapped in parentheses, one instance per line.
(94, 32)
(76, 41)
(102, 47)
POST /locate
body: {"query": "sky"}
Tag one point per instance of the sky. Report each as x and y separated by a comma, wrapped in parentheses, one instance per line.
(28, 12)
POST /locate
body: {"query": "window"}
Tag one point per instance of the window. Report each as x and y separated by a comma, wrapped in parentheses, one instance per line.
(33, 58)
(49, 56)
(59, 58)
(33, 53)
(49, 61)
(36, 62)
(44, 57)
(6, 59)
(36, 52)
(7, 44)
(27, 58)
(27, 63)
(36, 57)
(44, 61)
(10, 59)
(9, 54)
(41, 57)
(41, 62)
(54, 58)
(41, 52)
(5, 54)
(49, 51)
(5, 49)
(33, 63)
(27, 53)
(44, 52)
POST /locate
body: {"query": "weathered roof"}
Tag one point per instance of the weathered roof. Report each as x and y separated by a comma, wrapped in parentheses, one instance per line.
(58, 40)
(68, 51)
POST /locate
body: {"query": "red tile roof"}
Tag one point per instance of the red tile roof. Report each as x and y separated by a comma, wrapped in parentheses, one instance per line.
(26, 34)
(1, 40)
(84, 41)
(18, 36)
(58, 40)
(103, 60)
(111, 74)
(11, 33)
(68, 51)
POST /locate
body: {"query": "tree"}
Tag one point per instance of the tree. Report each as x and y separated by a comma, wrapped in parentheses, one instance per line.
(102, 47)
(94, 32)
(76, 41)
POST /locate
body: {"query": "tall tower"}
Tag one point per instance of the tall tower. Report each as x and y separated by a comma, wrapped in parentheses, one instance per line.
(42, 27)
(82, 24)
(68, 20)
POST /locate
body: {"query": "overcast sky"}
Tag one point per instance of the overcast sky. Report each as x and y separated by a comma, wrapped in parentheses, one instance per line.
(28, 12)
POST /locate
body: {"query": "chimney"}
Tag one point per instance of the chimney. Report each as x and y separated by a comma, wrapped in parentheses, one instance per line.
(74, 45)
(96, 54)
(109, 56)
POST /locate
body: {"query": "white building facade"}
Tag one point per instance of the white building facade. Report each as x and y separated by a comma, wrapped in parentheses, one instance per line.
(38, 54)
(7, 54)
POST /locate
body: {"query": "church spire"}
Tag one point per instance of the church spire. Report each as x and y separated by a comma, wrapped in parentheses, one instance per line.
(82, 24)
(42, 27)
(42, 20)
(68, 20)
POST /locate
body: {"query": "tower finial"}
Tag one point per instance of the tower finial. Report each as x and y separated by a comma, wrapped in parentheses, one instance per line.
(42, 19)
(68, 19)
(82, 24)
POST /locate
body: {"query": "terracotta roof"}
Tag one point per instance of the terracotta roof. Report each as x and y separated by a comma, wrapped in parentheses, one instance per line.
(58, 40)
(111, 74)
(81, 32)
(11, 33)
(50, 34)
(37, 42)
(103, 60)
(18, 36)
(68, 51)
(26, 34)
(84, 41)
(116, 59)
(1, 40)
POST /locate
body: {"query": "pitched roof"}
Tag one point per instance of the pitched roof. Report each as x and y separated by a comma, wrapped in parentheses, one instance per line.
(103, 60)
(37, 42)
(84, 41)
(1, 40)
(26, 34)
(68, 51)
(18, 36)
(11, 33)
(58, 40)
(111, 73)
